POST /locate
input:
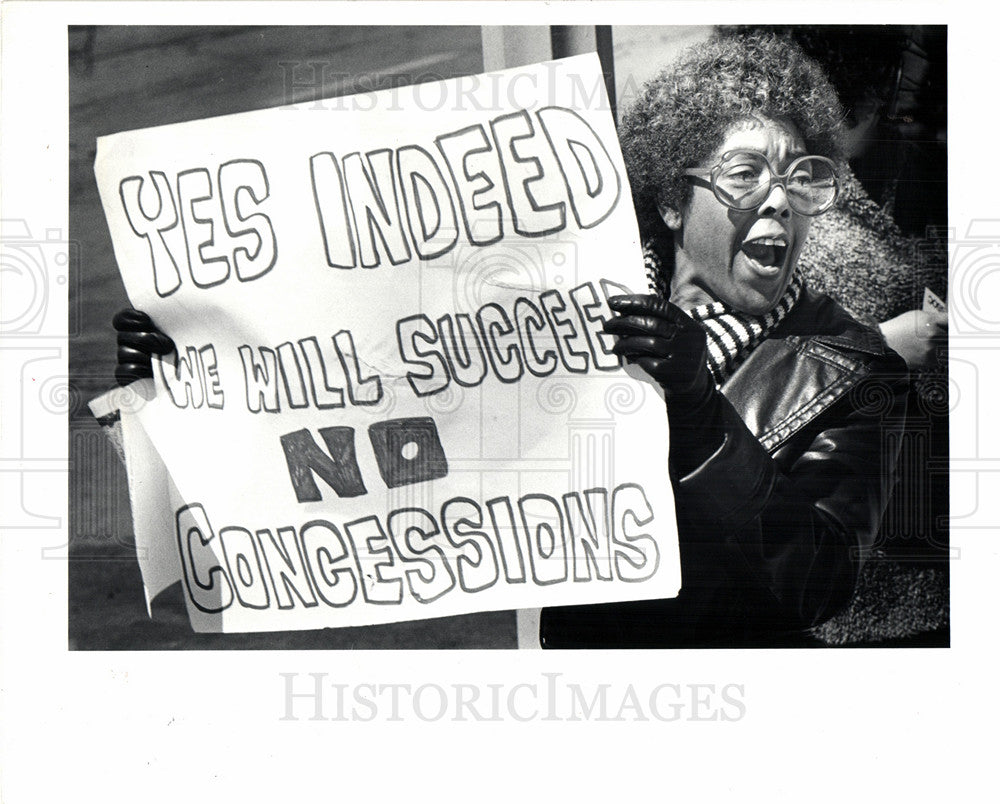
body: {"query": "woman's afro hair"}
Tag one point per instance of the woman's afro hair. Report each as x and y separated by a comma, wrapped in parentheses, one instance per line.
(684, 114)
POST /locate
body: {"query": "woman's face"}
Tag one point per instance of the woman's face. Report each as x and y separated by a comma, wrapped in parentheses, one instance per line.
(744, 258)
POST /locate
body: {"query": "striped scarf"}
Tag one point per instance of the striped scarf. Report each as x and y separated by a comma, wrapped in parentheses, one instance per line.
(731, 335)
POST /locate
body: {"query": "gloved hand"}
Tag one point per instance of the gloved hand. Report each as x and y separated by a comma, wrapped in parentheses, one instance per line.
(138, 338)
(669, 346)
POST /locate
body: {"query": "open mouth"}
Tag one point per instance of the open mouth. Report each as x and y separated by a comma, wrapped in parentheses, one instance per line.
(767, 252)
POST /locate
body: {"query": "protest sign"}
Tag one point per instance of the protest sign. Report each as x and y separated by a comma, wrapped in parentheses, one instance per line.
(392, 397)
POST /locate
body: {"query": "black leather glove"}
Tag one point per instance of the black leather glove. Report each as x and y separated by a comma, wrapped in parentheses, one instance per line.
(138, 338)
(666, 343)
(669, 346)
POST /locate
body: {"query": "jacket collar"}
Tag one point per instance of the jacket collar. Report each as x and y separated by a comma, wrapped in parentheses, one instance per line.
(817, 355)
(858, 339)
(820, 318)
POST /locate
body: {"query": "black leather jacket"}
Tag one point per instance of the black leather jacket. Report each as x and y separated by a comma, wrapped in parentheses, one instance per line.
(775, 524)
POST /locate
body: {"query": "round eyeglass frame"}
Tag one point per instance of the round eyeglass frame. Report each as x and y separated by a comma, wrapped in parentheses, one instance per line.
(773, 176)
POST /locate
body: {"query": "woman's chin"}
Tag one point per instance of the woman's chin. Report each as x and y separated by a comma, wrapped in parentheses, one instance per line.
(761, 286)
(751, 307)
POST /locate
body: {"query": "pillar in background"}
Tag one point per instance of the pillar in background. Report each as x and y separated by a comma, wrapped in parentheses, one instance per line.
(516, 45)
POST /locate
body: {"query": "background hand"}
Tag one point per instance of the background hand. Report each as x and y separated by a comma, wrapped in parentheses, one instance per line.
(916, 336)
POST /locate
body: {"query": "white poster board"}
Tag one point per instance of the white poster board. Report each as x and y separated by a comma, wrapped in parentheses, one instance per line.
(392, 398)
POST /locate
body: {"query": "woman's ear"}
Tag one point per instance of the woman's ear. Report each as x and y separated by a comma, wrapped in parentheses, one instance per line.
(670, 216)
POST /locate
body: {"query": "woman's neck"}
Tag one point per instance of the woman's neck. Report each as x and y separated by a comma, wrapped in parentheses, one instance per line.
(686, 291)
(683, 284)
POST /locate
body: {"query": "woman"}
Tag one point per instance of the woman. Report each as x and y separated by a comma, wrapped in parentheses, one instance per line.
(784, 420)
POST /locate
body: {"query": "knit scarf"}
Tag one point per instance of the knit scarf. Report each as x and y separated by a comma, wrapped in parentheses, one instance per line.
(731, 335)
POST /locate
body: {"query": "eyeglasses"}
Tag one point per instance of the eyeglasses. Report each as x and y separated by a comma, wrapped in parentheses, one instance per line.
(743, 179)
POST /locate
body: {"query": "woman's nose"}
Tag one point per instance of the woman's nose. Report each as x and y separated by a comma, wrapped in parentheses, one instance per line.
(776, 204)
